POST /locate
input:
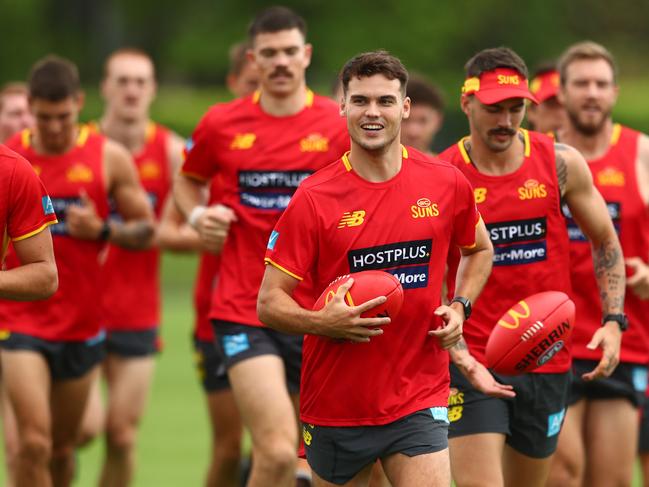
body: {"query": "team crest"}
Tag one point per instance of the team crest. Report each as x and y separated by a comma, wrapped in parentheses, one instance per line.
(79, 173)
(314, 143)
(149, 170)
(610, 177)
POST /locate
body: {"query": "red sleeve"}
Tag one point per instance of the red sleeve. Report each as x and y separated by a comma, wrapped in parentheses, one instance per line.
(293, 244)
(199, 160)
(466, 213)
(30, 208)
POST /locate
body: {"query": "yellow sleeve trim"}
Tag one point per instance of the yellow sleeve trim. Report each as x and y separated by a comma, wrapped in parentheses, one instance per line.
(268, 261)
(193, 175)
(463, 152)
(615, 134)
(38, 230)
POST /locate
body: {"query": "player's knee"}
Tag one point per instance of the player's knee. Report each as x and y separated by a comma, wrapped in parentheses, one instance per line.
(121, 437)
(62, 453)
(35, 448)
(278, 455)
(227, 449)
(565, 471)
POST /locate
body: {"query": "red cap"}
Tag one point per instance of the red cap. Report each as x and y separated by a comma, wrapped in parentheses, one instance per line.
(545, 85)
(498, 85)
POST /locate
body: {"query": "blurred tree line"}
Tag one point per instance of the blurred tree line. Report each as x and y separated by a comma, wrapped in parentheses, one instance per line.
(189, 40)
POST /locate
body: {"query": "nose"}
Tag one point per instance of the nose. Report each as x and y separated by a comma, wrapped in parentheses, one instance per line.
(372, 110)
(505, 119)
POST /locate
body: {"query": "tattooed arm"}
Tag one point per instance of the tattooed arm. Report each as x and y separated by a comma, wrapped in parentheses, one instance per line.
(589, 211)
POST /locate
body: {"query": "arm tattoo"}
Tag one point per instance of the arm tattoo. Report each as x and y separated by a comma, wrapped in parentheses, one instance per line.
(562, 167)
(461, 345)
(609, 271)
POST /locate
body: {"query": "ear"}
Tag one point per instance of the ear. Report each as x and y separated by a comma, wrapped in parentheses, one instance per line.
(465, 102)
(308, 52)
(80, 100)
(406, 107)
(343, 107)
(250, 55)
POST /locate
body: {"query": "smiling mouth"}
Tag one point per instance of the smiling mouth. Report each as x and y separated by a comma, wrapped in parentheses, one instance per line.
(372, 127)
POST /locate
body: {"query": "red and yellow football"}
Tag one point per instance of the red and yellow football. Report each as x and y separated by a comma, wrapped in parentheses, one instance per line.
(530, 333)
(367, 285)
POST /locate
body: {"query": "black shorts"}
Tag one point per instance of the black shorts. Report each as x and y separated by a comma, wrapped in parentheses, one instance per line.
(628, 381)
(131, 344)
(210, 366)
(531, 421)
(643, 441)
(337, 454)
(239, 342)
(66, 360)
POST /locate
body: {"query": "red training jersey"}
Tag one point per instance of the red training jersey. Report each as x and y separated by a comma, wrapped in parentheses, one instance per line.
(522, 212)
(131, 278)
(261, 160)
(25, 207)
(614, 175)
(339, 223)
(72, 313)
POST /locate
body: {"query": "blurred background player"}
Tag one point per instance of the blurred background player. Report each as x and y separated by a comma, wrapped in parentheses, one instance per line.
(548, 115)
(14, 117)
(14, 110)
(51, 352)
(519, 177)
(130, 293)
(176, 235)
(426, 115)
(262, 147)
(602, 412)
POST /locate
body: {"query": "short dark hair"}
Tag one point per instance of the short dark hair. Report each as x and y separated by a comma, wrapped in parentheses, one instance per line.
(275, 19)
(237, 56)
(493, 58)
(422, 92)
(54, 79)
(587, 50)
(372, 63)
(127, 51)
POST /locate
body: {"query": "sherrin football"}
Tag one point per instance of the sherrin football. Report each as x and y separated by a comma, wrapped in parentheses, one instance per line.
(367, 285)
(530, 333)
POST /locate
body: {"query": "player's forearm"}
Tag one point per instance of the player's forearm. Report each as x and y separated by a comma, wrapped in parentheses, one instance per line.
(178, 239)
(608, 263)
(473, 272)
(188, 193)
(280, 311)
(36, 280)
(461, 356)
(132, 235)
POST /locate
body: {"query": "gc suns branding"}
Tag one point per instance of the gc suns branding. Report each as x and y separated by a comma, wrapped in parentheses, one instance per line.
(407, 261)
(424, 209)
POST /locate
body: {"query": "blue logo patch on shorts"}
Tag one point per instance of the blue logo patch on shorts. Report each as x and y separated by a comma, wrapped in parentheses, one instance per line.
(48, 207)
(272, 240)
(440, 414)
(639, 375)
(234, 344)
(98, 338)
(555, 421)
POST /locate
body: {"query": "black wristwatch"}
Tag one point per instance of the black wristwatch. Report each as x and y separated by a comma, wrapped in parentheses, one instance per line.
(104, 234)
(465, 303)
(619, 318)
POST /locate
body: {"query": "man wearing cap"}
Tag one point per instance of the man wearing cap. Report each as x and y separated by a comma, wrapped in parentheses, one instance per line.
(548, 115)
(519, 178)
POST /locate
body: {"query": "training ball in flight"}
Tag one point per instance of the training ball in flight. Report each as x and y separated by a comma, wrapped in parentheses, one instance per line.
(530, 333)
(367, 285)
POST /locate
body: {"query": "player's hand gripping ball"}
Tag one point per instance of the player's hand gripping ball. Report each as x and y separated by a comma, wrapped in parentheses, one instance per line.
(367, 285)
(530, 333)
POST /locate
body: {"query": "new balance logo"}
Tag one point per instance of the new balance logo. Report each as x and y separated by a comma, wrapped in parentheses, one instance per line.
(352, 219)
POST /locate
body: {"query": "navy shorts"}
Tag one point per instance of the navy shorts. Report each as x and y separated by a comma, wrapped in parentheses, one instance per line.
(239, 342)
(66, 360)
(628, 381)
(210, 366)
(531, 421)
(338, 453)
(132, 344)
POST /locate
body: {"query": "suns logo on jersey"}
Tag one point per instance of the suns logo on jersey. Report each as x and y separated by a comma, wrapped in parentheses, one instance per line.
(424, 209)
(480, 195)
(531, 189)
(149, 170)
(611, 177)
(79, 173)
(515, 315)
(314, 143)
(243, 141)
(352, 219)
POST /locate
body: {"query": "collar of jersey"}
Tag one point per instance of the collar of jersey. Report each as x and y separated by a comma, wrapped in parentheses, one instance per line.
(308, 103)
(348, 165)
(82, 136)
